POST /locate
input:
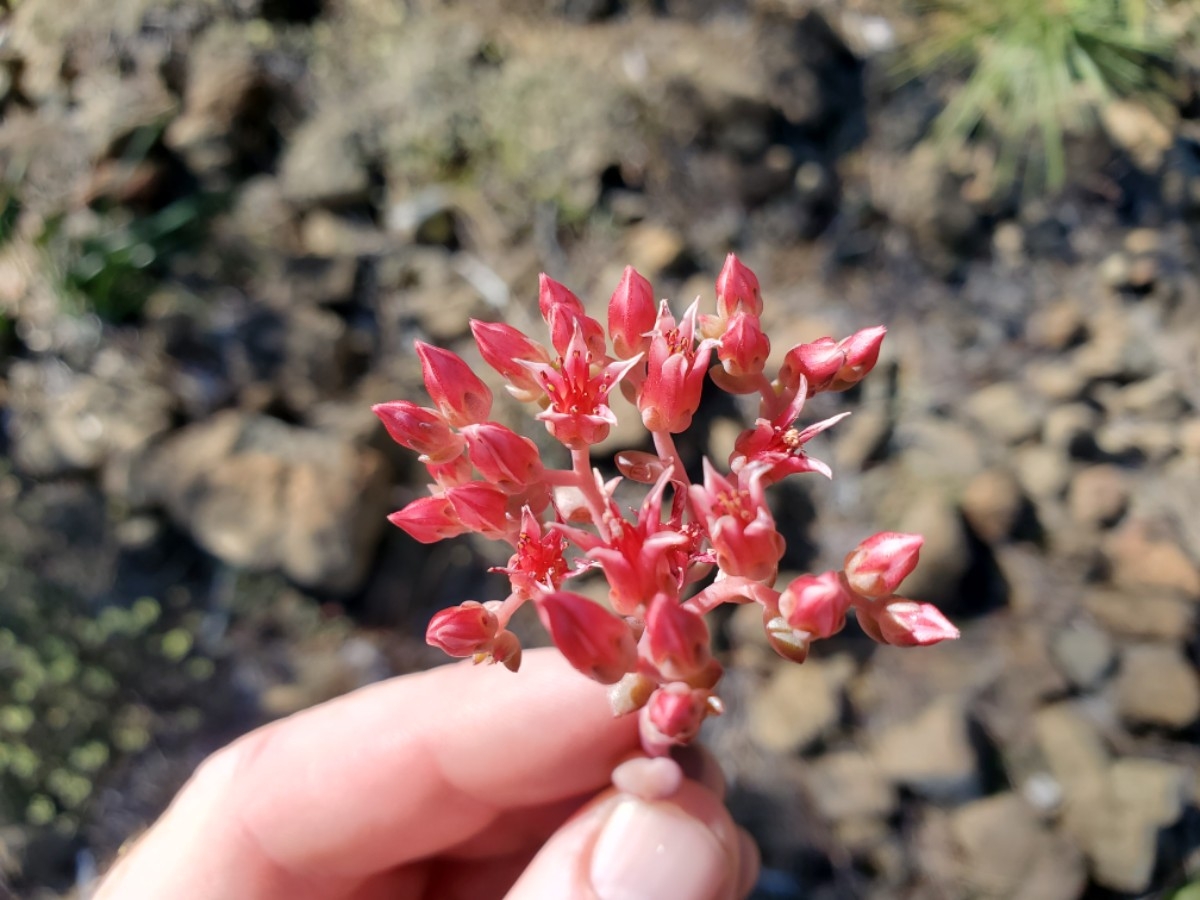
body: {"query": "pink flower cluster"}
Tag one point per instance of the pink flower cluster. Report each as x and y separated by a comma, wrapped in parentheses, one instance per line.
(651, 642)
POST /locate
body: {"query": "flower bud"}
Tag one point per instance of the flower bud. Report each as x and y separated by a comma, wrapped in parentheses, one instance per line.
(501, 346)
(463, 630)
(502, 456)
(562, 311)
(818, 362)
(862, 352)
(737, 288)
(788, 642)
(674, 715)
(595, 641)
(816, 604)
(419, 429)
(875, 568)
(631, 314)
(678, 639)
(506, 650)
(906, 623)
(744, 347)
(482, 508)
(429, 520)
(455, 390)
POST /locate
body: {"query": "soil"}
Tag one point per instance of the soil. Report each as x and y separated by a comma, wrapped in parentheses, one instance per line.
(223, 223)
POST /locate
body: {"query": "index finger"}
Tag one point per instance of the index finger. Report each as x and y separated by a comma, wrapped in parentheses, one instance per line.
(392, 773)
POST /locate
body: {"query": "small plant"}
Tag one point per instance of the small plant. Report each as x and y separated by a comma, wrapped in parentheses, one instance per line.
(1036, 69)
(653, 645)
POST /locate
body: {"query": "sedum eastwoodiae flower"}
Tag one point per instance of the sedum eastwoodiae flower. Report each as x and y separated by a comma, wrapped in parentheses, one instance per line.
(687, 548)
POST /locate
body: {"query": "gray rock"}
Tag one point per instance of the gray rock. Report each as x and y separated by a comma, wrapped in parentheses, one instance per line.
(930, 754)
(63, 421)
(1157, 685)
(324, 166)
(1083, 652)
(262, 495)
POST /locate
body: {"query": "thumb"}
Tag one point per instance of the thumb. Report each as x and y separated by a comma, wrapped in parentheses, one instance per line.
(656, 835)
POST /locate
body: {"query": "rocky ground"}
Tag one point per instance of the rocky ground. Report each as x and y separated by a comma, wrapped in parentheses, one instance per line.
(225, 221)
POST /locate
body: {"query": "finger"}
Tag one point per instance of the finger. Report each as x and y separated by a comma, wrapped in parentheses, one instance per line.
(389, 774)
(626, 847)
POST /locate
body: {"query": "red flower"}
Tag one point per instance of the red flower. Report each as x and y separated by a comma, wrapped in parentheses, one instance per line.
(675, 368)
(539, 565)
(578, 390)
(740, 527)
(779, 446)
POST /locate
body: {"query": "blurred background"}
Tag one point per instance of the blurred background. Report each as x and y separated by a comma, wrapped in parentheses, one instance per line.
(223, 223)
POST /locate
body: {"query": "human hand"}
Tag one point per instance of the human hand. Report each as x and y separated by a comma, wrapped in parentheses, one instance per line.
(461, 782)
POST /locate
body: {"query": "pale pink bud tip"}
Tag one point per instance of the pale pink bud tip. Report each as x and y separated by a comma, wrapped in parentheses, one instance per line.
(595, 641)
(737, 288)
(906, 623)
(875, 568)
(462, 630)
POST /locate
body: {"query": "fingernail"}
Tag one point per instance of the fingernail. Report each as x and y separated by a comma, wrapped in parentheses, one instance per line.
(647, 851)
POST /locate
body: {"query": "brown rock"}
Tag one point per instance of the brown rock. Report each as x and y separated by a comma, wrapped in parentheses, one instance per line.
(1142, 796)
(1098, 496)
(992, 504)
(1144, 553)
(1141, 613)
(1043, 471)
(1071, 427)
(930, 754)
(1007, 854)
(1158, 685)
(848, 785)
(1056, 326)
(799, 705)
(260, 494)
(946, 553)
(1006, 412)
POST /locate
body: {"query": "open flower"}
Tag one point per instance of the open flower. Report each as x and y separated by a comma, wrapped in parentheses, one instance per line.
(740, 527)
(578, 389)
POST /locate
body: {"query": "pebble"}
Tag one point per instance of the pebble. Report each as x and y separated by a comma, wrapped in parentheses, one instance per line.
(1157, 685)
(930, 754)
(1098, 496)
